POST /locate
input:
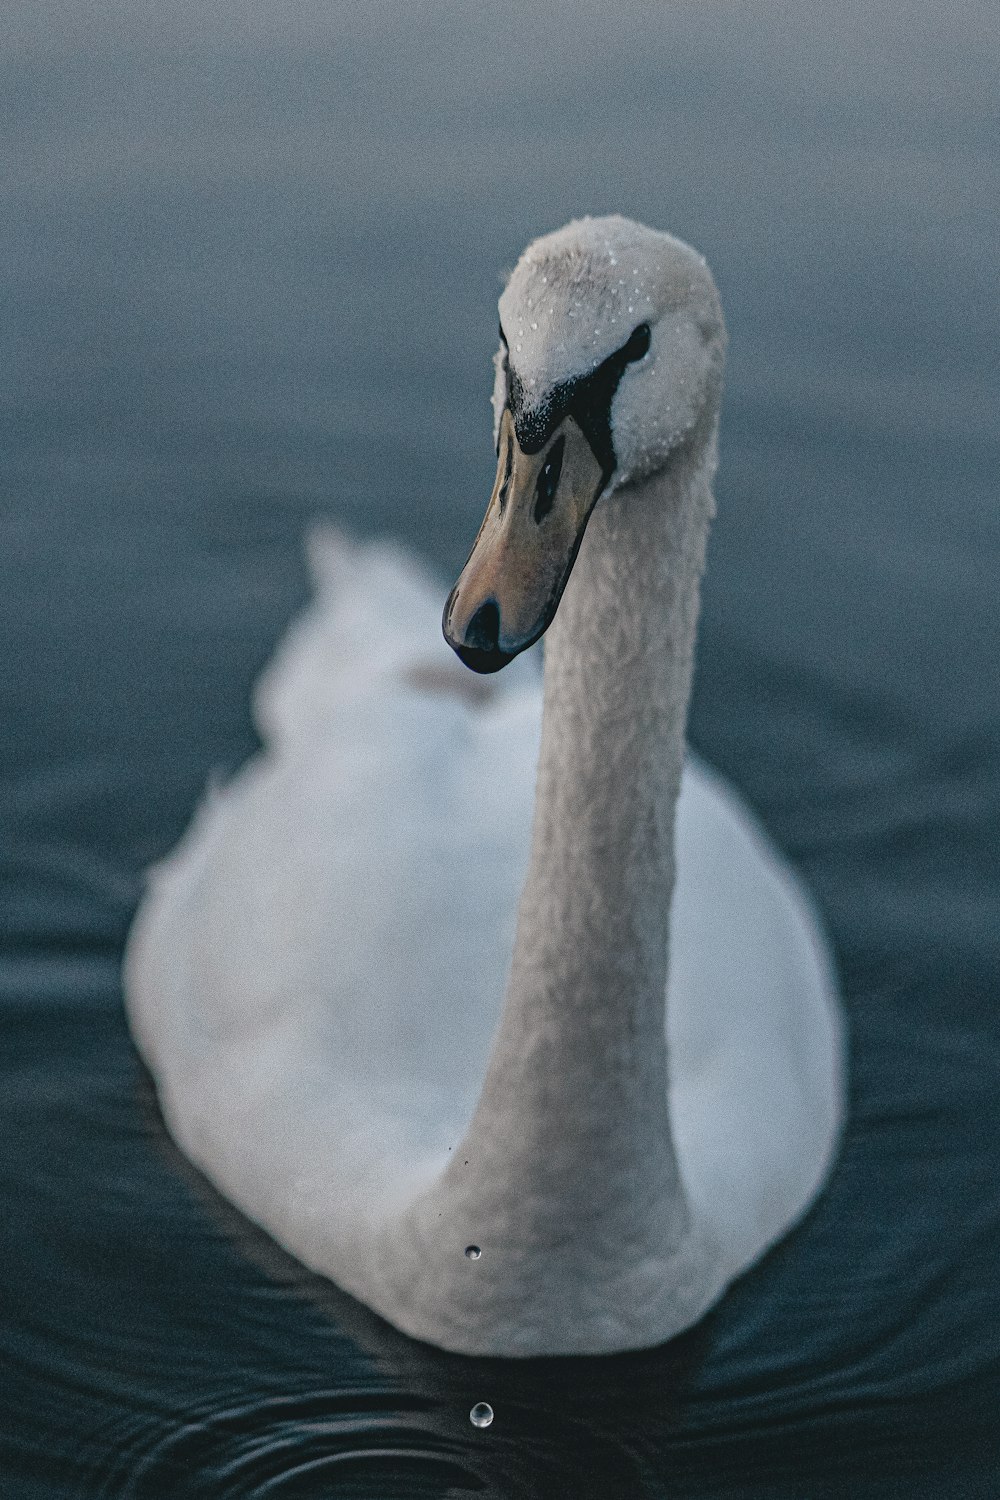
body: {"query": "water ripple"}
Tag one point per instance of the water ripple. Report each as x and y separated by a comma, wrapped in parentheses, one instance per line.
(365, 1442)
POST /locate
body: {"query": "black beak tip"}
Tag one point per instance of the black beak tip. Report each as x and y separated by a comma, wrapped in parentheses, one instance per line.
(479, 648)
(481, 661)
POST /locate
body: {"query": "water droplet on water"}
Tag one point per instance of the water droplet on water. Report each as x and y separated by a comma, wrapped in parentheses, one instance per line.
(472, 1252)
(481, 1414)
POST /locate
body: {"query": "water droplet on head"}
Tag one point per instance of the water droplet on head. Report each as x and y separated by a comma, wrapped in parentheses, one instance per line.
(472, 1252)
(481, 1414)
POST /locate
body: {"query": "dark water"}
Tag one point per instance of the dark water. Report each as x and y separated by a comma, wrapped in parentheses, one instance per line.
(252, 256)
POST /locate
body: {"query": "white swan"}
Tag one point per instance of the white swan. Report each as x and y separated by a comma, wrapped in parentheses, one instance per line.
(320, 977)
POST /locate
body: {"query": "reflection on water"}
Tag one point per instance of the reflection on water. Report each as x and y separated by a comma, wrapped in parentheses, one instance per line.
(252, 261)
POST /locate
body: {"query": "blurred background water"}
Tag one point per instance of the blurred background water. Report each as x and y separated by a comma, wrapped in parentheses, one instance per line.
(251, 260)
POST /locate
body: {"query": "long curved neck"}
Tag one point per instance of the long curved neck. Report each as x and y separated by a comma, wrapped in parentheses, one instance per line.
(573, 1106)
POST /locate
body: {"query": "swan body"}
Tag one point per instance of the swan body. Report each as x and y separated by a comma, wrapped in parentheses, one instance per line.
(392, 1011)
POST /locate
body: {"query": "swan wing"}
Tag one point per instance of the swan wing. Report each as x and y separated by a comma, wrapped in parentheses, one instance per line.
(316, 973)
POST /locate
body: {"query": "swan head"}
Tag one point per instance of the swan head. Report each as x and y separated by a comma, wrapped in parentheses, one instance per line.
(611, 354)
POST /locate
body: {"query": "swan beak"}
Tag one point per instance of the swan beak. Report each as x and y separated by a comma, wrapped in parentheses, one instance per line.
(508, 591)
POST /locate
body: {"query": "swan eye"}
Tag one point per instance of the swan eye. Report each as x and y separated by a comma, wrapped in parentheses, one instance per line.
(638, 343)
(548, 479)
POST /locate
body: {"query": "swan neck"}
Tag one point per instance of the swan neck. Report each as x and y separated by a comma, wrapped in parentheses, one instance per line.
(574, 1106)
(618, 666)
